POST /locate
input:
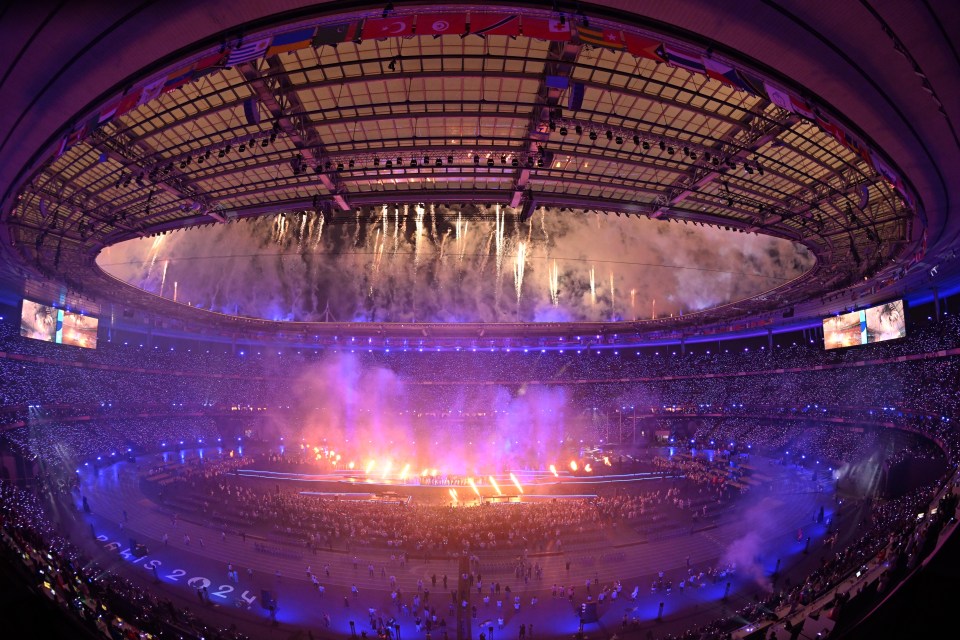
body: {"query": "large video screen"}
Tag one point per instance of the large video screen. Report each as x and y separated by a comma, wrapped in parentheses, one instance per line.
(876, 324)
(38, 321)
(79, 331)
(42, 322)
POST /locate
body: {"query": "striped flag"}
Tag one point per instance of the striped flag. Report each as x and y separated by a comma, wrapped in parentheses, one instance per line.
(725, 74)
(609, 38)
(689, 60)
(291, 41)
(247, 52)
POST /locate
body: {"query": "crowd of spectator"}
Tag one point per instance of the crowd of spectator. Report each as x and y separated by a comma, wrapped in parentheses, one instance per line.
(106, 603)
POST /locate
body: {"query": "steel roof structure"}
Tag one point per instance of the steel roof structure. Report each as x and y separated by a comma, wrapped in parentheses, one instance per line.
(217, 114)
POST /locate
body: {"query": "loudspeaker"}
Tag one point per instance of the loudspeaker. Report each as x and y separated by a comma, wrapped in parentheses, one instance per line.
(576, 97)
(251, 110)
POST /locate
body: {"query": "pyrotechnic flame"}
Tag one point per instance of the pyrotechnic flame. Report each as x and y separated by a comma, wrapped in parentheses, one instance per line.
(588, 468)
(518, 268)
(319, 229)
(418, 238)
(593, 286)
(573, 465)
(516, 482)
(606, 461)
(553, 470)
(406, 469)
(350, 465)
(500, 222)
(163, 278)
(553, 274)
(633, 303)
(370, 466)
(495, 486)
(175, 290)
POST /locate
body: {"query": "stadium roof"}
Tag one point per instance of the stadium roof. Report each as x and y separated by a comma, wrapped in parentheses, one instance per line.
(761, 118)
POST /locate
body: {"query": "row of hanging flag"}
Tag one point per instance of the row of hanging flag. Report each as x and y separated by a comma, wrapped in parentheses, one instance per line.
(485, 24)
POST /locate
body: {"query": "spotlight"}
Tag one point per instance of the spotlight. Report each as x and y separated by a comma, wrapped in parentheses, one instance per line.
(264, 142)
(438, 162)
(663, 145)
(578, 129)
(389, 164)
(273, 137)
(645, 146)
(183, 164)
(376, 162)
(619, 140)
(489, 162)
(760, 169)
(609, 135)
(350, 164)
(426, 160)
(540, 161)
(529, 161)
(476, 159)
(715, 161)
(200, 158)
(503, 159)
(686, 152)
(593, 135)
(553, 125)
(413, 162)
(339, 166)
(670, 150)
(636, 140)
(748, 169)
(242, 147)
(399, 161)
(563, 131)
(515, 162)
(449, 159)
(221, 153)
(393, 65)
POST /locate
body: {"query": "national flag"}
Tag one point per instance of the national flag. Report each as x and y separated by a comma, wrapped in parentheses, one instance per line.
(247, 52)
(494, 24)
(609, 38)
(72, 138)
(778, 96)
(209, 64)
(335, 33)
(833, 129)
(380, 28)
(643, 47)
(751, 83)
(802, 108)
(119, 107)
(546, 29)
(684, 58)
(725, 74)
(857, 147)
(151, 91)
(884, 169)
(441, 24)
(178, 78)
(290, 41)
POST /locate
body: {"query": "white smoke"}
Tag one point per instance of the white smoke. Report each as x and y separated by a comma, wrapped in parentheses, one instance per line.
(292, 266)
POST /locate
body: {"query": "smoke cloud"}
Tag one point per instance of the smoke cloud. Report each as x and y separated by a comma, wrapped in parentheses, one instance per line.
(442, 264)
